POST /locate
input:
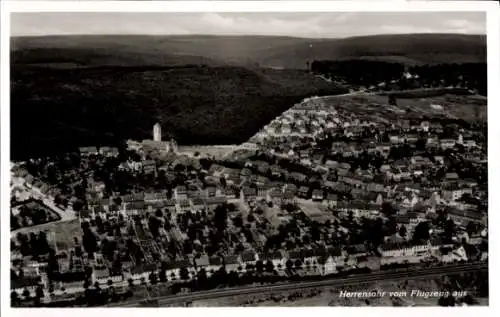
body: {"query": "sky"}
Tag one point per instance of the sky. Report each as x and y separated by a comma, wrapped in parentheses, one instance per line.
(325, 25)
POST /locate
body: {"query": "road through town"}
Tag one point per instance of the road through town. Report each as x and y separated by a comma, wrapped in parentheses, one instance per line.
(337, 282)
(66, 215)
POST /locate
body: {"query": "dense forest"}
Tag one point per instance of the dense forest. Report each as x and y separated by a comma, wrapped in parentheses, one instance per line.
(369, 72)
(61, 109)
(265, 51)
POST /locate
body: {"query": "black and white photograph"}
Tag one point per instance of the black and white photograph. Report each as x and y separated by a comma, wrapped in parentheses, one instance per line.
(247, 159)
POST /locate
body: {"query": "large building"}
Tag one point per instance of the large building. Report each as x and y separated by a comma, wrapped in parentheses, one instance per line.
(172, 146)
(157, 132)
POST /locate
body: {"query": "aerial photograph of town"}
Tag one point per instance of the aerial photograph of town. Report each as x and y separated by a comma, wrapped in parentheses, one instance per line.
(248, 159)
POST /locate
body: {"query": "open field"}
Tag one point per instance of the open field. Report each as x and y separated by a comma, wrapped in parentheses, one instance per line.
(469, 108)
(217, 151)
(457, 106)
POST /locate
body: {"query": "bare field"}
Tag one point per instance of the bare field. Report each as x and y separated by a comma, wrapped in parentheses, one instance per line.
(216, 151)
(463, 107)
(466, 107)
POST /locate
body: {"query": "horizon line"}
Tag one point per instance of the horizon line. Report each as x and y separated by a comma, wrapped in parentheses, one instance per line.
(250, 35)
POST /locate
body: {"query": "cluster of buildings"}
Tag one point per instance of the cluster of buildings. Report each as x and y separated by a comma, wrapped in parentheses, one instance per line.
(293, 200)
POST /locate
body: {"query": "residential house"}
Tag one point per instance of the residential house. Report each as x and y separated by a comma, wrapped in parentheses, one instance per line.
(274, 195)
(194, 191)
(183, 206)
(331, 164)
(358, 209)
(288, 198)
(170, 204)
(303, 192)
(155, 196)
(233, 179)
(210, 191)
(371, 262)
(420, 161)
(404, 249)
(396, 139)
(351, 180)
(197, 204)
(245, 172)
(214, 264)
(108, 151)
(248, 194)
(286, 128)
(384, 149)
(375, 187)
(149, 167)
(299, 177)
(447, 143)
(276, 171)
(202, 262)
(296, 258)
(232, 263)
(85, 215)
(365, 175)
(411, 138)
(88, 151)
(213, 202)
(451, 176)
(469, 143)
(374, 198)
(25, 283)
(332, 261)
(317, 195)
(357, 250)
(308, 257)
(249, 257)
(462, 217)
(439, 160)
(384, 168)
(330, 200)
(135, 207)
(455, 193)
(345, 166)
(261, 191)
(231, 192)
(180, 193)
(436, 127)
(424, 126)
(175, 271)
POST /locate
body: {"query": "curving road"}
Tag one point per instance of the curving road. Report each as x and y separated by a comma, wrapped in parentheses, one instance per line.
(352, 280)
(66, 215)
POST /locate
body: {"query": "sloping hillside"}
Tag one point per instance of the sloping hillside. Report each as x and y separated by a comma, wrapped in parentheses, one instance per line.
(58, 110)
(284, 52)
(69, 91)
(410, 49)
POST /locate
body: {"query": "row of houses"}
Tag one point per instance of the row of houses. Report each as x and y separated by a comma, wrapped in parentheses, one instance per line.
(103, 150)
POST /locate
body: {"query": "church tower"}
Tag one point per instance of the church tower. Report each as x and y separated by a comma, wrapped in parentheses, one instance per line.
(157, 132)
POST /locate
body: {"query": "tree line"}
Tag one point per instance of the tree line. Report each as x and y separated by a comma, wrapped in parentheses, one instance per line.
(369, 72)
